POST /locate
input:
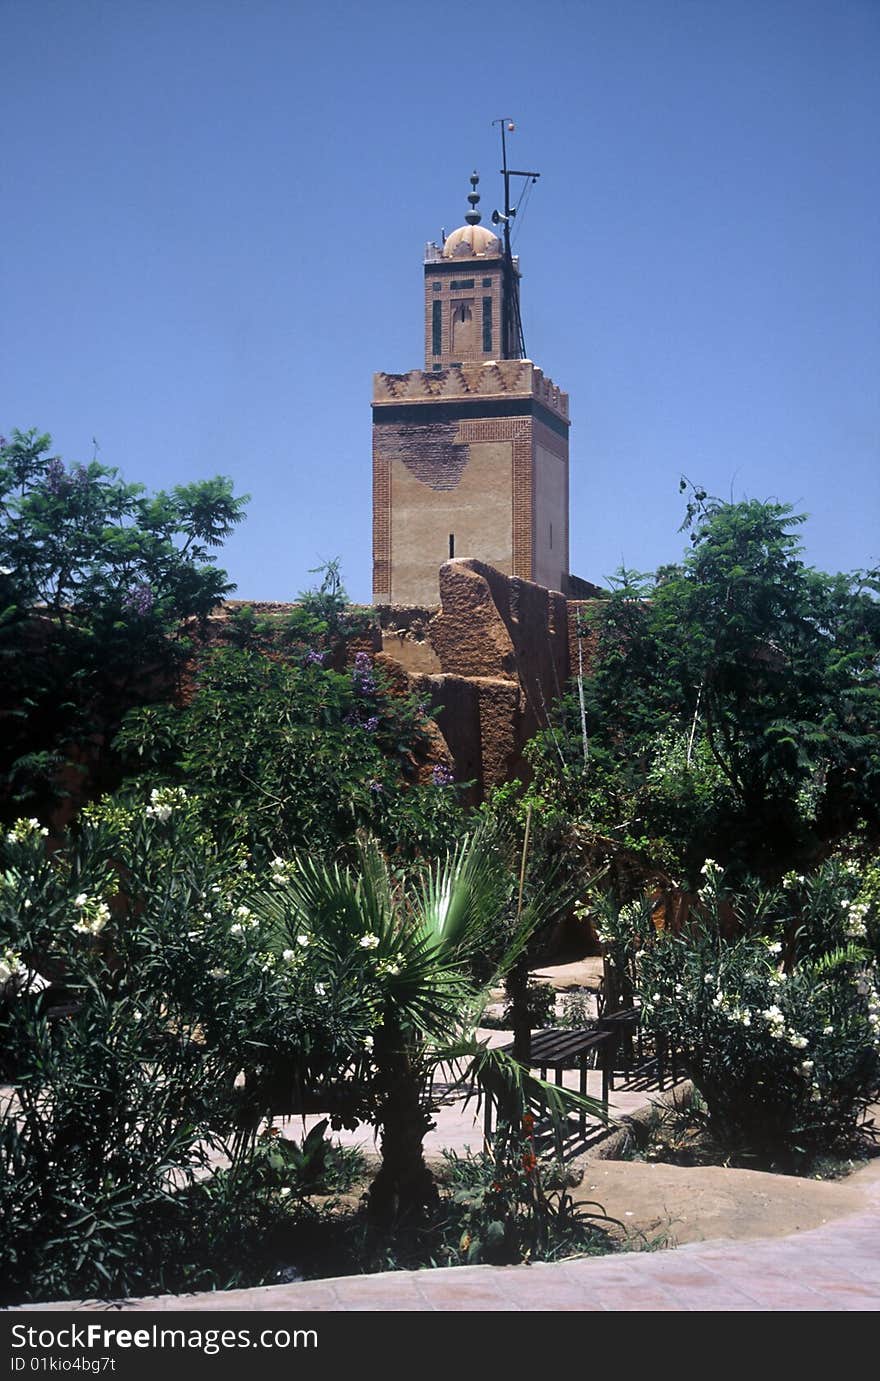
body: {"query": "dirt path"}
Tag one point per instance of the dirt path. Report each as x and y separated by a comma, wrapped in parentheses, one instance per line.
(671, 1204)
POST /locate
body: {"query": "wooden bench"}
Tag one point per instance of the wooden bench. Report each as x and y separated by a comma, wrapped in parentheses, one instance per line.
(560, 1050)
(626, 1025)
(623, 1025)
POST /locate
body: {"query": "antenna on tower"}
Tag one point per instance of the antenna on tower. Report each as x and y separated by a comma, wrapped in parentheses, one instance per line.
(514, 346)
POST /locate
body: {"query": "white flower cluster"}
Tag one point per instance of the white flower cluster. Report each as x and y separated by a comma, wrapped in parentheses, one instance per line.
(93, 915)
(280, 871)
(10, 967)
(874, 1010)
(775, 1020)
(740, 1015)
(854, 919)
(245, 920)
(369, 942)
(777, 1029)
(23, 830)
(164, 800)
(791, 881)
(16, 978)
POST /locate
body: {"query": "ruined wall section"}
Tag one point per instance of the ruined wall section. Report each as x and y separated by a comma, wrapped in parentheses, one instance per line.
(501, 657)
(490, 659)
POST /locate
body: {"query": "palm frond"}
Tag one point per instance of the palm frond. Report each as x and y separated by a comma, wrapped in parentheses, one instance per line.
(841, 957)
(458, 900)
(492, 1073)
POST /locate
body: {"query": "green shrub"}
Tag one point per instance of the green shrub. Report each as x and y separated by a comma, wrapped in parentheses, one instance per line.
(578, 1010)
(137, 994)
(508, 1206)
(540, 1005)
(287, 754)
(786, 1060)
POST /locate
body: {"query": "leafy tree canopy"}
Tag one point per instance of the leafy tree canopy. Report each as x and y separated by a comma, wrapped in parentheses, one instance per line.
(734, 701)
(98, 579)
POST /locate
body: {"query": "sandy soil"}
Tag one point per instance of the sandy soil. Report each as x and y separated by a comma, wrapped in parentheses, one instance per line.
(671, 1204)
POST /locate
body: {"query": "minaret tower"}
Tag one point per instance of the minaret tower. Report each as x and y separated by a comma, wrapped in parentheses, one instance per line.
(470, 454)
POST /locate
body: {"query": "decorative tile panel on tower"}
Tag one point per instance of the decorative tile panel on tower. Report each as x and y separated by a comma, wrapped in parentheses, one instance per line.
(470, 454)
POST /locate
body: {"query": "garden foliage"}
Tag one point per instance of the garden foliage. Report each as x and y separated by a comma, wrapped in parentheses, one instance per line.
(732, 706)
(160, 1000)
(287, 752)
(770, 997)
(101, 586)
(284, 909)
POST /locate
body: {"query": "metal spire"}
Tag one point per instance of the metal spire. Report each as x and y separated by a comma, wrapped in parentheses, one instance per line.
(473, 216)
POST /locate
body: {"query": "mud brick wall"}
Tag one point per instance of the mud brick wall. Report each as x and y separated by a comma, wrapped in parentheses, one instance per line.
(502, 652)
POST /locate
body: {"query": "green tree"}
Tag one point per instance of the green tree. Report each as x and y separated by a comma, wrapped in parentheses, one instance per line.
(101, 585)
(415, 949)
(734, 701)
(287, 753)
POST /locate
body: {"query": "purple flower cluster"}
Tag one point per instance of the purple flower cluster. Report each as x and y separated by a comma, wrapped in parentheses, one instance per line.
(139, 599)
(315, 658)
(55, 476)
(376, 786)
(442, 776)
(362, 676)
(371, 724)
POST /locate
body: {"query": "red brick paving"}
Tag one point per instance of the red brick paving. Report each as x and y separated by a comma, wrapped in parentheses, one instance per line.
(832, 1268)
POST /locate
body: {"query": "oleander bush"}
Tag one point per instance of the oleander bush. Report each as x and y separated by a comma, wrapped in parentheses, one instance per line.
(142, 1017)
(162, 998)
(777, 1018)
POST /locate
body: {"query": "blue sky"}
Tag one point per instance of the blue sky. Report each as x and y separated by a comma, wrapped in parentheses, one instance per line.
(215, 215)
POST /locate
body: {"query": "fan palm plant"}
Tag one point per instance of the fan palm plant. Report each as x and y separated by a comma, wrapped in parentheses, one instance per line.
(411, 951)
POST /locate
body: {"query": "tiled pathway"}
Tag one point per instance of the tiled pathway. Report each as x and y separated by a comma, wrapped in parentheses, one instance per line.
(831, 1268)
(834, 1267)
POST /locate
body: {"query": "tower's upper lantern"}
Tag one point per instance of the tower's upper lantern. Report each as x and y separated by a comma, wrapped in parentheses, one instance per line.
(465, 284)
(473, 239)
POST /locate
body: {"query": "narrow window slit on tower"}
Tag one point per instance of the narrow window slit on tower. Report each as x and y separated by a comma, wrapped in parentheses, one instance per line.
(451, 545)
(487, 324)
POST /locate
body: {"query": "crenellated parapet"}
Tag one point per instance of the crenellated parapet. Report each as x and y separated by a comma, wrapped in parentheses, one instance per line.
(495, 378)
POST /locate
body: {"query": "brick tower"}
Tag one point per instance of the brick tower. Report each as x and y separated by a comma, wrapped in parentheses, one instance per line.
(470, 454)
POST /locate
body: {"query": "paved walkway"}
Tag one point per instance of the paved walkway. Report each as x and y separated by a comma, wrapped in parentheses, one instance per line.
(830, 1268)
(833, 1267)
